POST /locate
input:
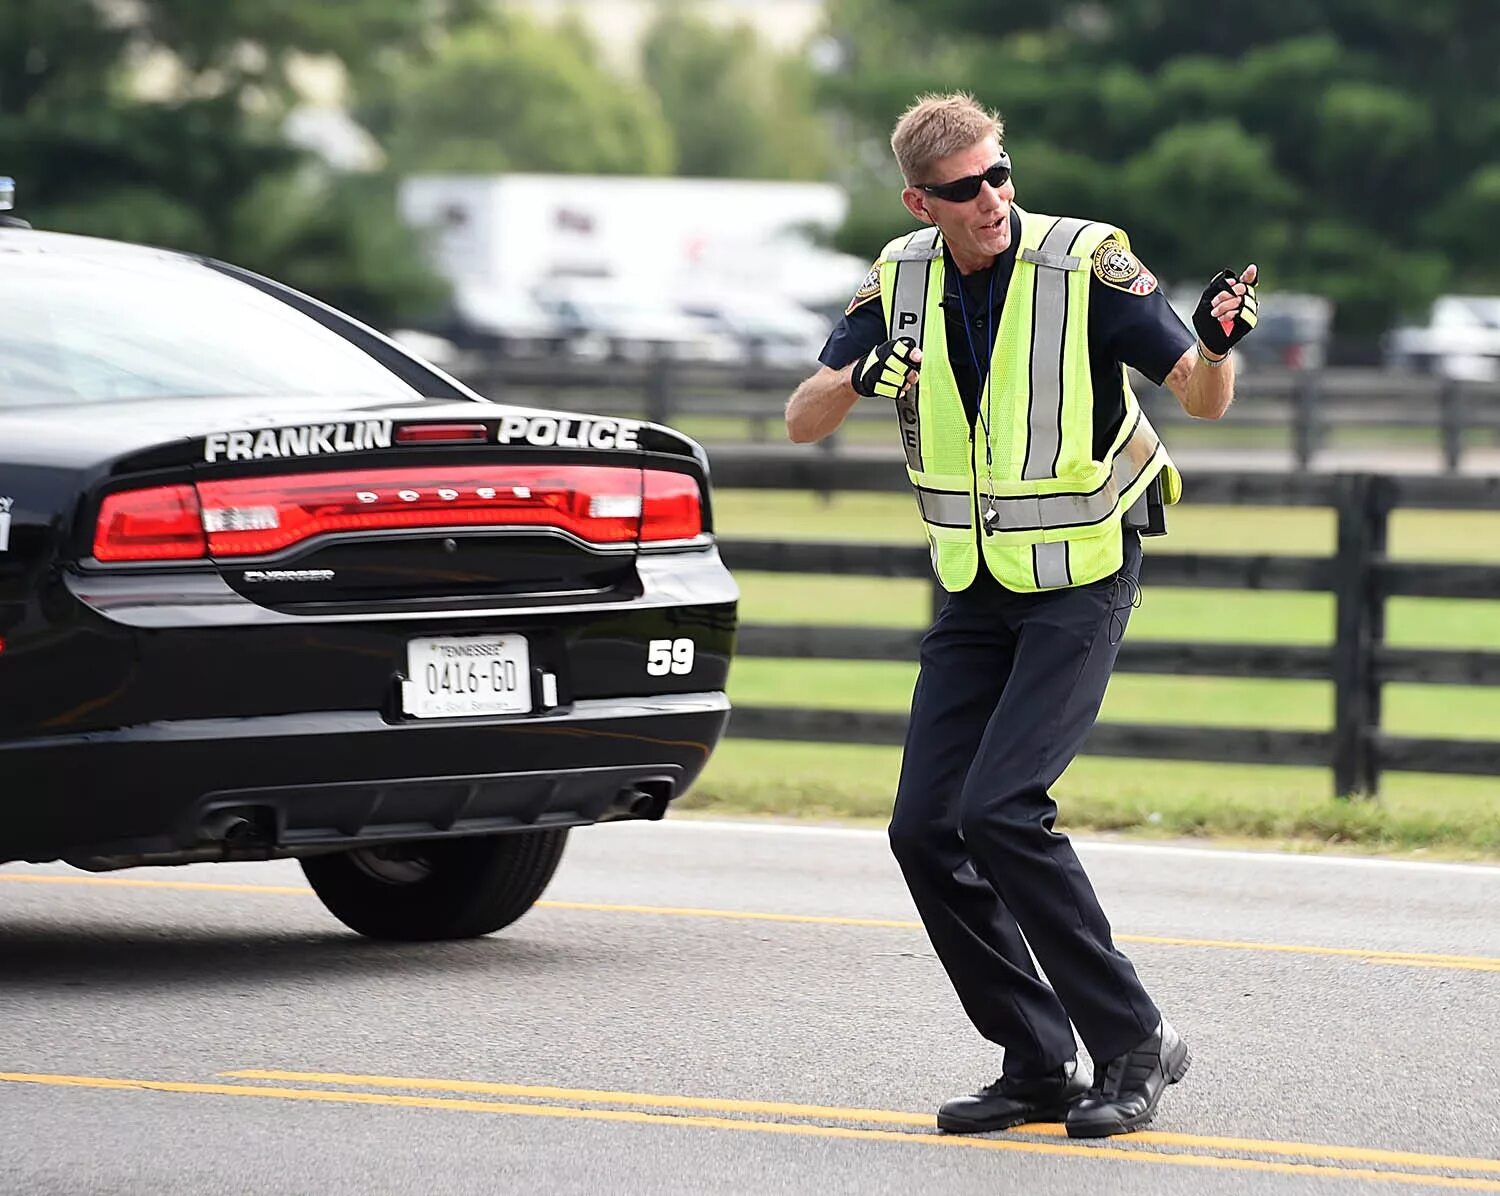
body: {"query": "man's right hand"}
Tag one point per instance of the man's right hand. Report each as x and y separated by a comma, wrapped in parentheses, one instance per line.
(887, 370)
(1227, 311)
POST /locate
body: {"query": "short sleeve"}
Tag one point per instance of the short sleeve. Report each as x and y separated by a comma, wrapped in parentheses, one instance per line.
(862, 327)
(1133, 322)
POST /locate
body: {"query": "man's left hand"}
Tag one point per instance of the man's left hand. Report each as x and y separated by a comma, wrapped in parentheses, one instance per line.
(1227, 311)
(888, 370)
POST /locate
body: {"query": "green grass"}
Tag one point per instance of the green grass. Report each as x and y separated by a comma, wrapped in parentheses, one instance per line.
(1449, 814)
(797, 515)
(1228, 616)
(1449, 817)
(1435, 710)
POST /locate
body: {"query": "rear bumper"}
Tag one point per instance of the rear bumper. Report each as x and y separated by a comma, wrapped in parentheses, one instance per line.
(292, 784)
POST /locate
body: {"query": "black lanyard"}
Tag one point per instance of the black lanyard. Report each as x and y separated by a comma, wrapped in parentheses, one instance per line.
(981, 371)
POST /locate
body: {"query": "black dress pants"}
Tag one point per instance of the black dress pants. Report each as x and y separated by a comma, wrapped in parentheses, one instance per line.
(1009, 686)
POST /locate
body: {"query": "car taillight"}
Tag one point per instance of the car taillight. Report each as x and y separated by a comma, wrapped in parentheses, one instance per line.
(245, 517)
(673, 507)
(255, 516)
(159, 524)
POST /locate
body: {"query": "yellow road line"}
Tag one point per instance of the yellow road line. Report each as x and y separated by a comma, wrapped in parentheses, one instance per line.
(1373, 955)
(1316, 1150)
(847, 1133)
(1479, 965)
(650, 1100)
(1369, 954)
(132, 882)
(733, 915)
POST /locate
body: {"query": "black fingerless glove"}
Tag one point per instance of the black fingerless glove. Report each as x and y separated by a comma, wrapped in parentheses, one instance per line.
(1211, 331)
(882, 371)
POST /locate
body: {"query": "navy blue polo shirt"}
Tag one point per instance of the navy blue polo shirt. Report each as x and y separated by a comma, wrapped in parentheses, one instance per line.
(1126, 328)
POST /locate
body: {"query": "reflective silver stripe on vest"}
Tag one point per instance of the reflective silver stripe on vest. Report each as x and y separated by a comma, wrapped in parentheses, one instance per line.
(907, 317)
(922, 247)
(946, 508)
(1050, 511)
(1049, 564)
(1058, 261)
(1048, 321)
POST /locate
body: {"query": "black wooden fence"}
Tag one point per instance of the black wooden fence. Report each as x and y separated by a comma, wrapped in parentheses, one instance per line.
(1306, 409)
(1358, 661)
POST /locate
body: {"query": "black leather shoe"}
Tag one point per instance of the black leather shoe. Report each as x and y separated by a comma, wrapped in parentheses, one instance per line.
(1009, 1101)
(1127, 1088)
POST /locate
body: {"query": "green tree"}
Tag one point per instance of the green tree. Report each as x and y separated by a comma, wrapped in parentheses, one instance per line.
(736, 110)
(504, 93)
(94, 156)
(1345, 145)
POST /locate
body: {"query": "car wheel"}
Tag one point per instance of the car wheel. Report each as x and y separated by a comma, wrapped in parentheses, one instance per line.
(437, 888)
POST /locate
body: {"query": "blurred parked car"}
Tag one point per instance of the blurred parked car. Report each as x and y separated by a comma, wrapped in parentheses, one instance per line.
(1292, 333)
(7, 201)
(509, 322)
(1461, 340)
(440, 351)
(633, 325)
(504, 321)
(767, 330)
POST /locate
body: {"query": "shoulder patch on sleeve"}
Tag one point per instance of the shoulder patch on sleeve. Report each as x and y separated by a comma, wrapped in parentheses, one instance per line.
(1115, 266)
(868, 289)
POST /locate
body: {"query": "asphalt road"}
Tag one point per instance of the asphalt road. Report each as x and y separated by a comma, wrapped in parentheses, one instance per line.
(712, 1008)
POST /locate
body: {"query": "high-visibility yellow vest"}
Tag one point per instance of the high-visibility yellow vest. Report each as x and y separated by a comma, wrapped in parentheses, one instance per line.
(1053, 511)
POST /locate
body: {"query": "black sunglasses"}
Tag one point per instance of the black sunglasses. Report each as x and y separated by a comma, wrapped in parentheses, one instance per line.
(964, 189)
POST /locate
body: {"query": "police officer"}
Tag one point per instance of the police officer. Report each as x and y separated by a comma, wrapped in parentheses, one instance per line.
(1035, 472)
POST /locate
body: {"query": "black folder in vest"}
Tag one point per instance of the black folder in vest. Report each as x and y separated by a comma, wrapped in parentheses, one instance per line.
(1148, 514)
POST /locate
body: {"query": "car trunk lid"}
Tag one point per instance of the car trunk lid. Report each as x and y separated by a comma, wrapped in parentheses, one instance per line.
(373, 508)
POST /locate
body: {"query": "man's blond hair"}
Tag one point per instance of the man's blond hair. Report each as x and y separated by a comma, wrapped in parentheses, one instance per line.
(938, 125)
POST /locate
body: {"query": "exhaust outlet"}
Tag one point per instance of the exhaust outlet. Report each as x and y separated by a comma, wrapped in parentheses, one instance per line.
(640, 803)
(647, 801)
(233, 828)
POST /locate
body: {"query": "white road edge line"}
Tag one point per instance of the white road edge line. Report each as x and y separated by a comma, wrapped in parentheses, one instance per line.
(1087, 845)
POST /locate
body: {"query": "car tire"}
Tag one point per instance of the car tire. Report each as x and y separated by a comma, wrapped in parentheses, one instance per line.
(437, 889)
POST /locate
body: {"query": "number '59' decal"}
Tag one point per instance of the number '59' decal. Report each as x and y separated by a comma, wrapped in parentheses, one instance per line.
(669, 656)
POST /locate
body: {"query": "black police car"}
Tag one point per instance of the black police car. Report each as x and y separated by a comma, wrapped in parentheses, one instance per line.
(272, 587)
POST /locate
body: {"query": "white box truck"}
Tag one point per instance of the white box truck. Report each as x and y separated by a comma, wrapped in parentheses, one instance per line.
(642, 248)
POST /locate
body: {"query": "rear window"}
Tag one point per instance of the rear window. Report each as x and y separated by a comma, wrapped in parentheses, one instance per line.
(101, 325)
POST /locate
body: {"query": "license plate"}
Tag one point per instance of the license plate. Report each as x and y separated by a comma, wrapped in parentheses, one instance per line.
(456, 676)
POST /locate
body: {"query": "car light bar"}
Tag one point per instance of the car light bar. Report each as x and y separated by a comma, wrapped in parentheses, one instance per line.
(251, 517)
